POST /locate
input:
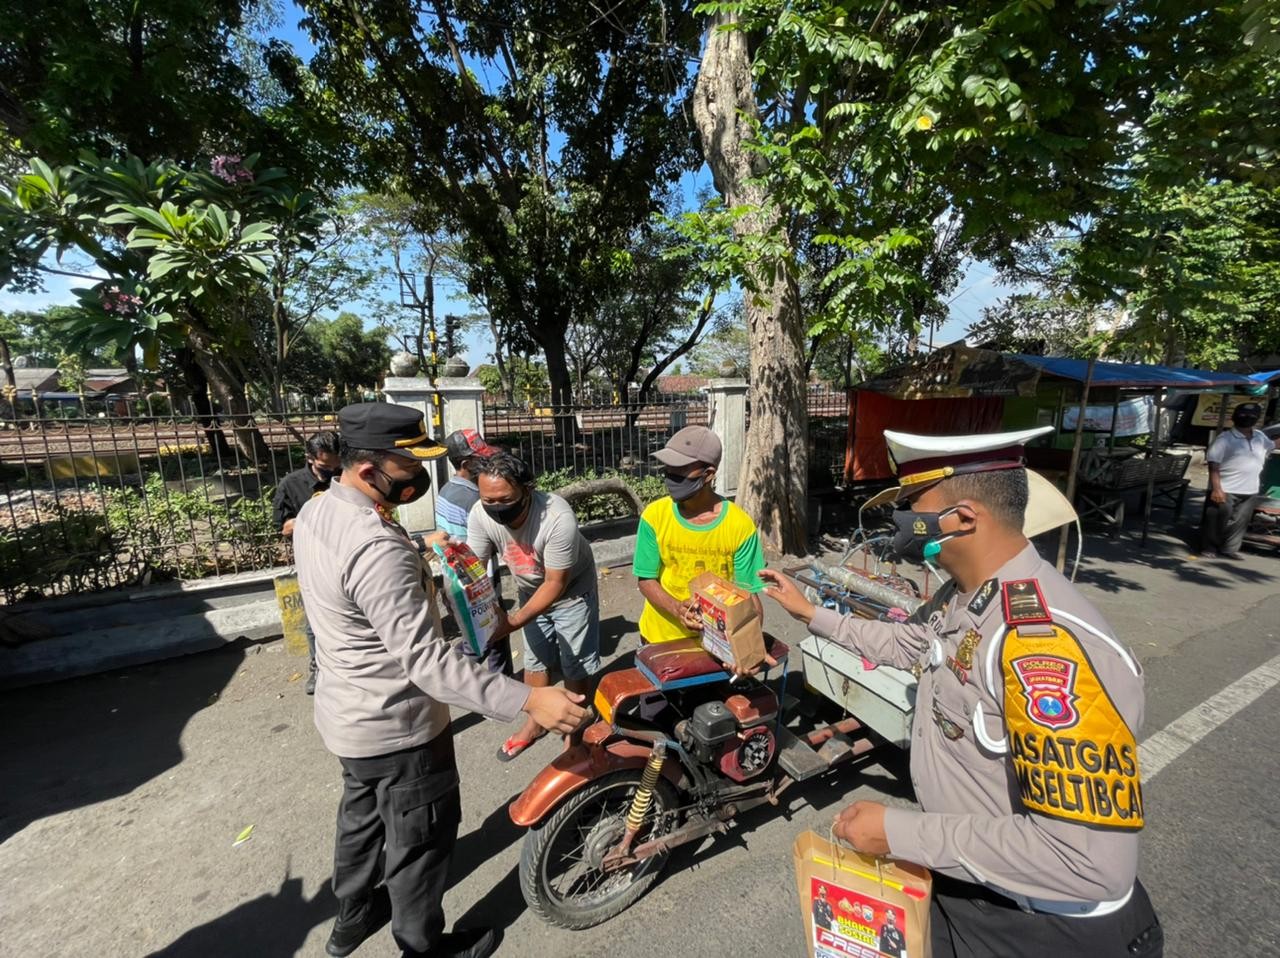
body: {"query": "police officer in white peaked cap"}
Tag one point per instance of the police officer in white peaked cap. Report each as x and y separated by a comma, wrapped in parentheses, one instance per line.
(1024, 752)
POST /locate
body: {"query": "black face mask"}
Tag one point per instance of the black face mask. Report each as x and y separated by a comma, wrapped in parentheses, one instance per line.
(918, 536)
(401, 492)
(323, 474)
(506, 513)
(681, 488)
(1245, 422)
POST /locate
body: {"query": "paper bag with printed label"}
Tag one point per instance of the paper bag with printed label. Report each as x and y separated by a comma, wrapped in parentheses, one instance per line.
(855, 905)
(731, 630)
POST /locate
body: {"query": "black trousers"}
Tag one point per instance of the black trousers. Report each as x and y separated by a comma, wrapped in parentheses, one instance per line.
(399, 815)
(970, 921)
(1224, 524)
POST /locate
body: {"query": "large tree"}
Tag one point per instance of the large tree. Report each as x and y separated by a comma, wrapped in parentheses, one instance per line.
(543, 135)
(867, 127)
(1184, 254)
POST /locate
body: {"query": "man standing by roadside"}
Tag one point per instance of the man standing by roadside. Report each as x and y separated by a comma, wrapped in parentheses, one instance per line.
(555, 572)
(387, 679)
(690, 531)
(295, 491)
(453, 506)
(1235, 462)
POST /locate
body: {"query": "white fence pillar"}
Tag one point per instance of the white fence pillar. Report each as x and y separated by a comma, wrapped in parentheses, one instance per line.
(727, 417)
(463, 401)
(416, 392)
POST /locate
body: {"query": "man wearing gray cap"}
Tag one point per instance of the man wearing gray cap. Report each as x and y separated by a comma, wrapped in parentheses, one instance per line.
(386, 681)
(690, 531)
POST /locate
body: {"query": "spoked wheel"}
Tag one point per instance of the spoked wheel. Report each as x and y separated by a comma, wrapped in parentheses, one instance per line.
(561, 873)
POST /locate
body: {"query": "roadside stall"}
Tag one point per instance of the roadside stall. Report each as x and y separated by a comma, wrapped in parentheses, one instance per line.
(1110, 419)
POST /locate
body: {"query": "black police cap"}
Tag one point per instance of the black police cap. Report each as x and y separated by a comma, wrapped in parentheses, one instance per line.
(388, 426)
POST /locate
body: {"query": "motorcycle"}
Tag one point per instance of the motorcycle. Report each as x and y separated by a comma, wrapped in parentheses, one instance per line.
(680, 749)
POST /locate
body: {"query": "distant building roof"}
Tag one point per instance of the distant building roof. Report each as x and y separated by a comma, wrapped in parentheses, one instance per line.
(37, 378)
(681, 384)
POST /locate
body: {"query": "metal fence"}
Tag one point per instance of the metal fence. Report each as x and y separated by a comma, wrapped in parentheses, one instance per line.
(101, 495)
(95, 496)
(828, 433)
(596, 435)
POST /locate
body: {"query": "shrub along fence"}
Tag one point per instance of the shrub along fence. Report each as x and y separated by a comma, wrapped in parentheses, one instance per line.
(98, 500)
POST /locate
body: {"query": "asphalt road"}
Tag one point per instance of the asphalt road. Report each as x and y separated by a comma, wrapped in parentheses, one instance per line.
(124, 793)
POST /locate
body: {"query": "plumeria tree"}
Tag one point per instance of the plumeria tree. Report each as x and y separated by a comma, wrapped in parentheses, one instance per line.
(190, 260)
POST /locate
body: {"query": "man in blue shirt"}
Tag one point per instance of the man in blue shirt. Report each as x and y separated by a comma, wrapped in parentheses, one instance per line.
(453, 505)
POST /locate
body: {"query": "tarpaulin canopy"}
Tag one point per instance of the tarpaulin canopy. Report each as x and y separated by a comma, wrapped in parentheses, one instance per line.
(957, 372)
(1270, 376)
(1133, 375)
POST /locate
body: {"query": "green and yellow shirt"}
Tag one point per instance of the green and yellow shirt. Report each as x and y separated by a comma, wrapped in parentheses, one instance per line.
(673, 550)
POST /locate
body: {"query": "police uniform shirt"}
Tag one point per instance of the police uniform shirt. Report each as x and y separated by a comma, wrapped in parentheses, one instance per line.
(1023, 752)
(387, 675)
(295, 490)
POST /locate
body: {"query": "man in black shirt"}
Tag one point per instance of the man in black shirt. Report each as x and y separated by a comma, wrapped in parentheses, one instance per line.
(294, 491)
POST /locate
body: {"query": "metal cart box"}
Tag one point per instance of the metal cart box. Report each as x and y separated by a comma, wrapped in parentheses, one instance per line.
(883, 699)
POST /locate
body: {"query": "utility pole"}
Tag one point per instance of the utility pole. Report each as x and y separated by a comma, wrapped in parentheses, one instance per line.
(424, 301)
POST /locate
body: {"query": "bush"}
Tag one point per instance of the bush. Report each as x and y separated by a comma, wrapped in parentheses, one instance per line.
(598, 508)
(112, 536)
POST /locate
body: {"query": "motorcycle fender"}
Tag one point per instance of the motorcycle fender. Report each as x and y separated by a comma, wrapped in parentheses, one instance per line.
(573, 769)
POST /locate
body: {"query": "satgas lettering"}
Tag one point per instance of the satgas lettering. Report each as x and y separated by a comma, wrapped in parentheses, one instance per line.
(1083, 770)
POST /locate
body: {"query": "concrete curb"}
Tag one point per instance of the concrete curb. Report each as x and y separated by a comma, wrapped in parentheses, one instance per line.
(83, 635)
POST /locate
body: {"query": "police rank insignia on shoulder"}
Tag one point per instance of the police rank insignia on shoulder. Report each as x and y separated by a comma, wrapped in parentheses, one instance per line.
(982, 598)
(1024, 603)
(1073, 755)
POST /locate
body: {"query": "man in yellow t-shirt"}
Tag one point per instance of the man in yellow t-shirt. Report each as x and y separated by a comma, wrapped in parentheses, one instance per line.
(691, 531)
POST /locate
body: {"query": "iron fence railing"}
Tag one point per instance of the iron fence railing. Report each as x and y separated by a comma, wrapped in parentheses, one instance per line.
(593, 437)
(94, 496)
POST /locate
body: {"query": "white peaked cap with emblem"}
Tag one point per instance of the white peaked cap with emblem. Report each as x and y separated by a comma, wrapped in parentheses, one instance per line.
(921, 461)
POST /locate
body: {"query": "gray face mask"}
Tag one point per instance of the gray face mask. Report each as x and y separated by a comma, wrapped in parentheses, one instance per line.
(683, 487)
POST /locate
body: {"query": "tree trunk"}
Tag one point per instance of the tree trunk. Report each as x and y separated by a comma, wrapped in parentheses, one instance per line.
(772, 486)
(229, 388)
(561, 379)
(10, 380)
(203, 405)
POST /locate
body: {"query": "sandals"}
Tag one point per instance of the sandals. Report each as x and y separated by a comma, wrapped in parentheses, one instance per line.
(514, 746)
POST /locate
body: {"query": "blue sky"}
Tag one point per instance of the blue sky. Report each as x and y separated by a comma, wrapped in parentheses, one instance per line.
(978, 289)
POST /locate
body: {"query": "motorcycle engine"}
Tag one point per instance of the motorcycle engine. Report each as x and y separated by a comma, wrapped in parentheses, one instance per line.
(735, 734)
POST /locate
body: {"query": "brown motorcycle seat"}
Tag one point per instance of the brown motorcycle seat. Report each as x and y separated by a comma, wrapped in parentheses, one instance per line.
(683, 659)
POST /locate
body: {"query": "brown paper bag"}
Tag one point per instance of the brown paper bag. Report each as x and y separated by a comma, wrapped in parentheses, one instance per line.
(731, 630)
(855, 905)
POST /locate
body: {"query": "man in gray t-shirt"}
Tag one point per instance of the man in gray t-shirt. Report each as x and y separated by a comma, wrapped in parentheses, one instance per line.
(537, 535)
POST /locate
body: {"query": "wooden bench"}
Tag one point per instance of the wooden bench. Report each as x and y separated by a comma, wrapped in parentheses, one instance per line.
(1112, 479)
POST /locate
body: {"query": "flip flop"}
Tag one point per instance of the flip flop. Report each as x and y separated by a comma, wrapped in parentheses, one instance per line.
(513, 747)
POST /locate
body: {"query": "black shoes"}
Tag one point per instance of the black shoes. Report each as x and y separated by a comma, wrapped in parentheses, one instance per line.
(356, 922)
(473, 943)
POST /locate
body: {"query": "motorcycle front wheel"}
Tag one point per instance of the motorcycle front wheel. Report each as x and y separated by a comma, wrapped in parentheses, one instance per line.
(560, 865)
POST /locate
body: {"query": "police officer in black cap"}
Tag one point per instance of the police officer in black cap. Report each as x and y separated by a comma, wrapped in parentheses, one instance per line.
(386, 680)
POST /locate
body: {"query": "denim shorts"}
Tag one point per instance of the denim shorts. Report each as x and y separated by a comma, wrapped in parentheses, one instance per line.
(567, 637)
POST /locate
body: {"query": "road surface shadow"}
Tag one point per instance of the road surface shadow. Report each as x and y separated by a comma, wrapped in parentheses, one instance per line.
(487, 840)
(86, 740)
(269, 925)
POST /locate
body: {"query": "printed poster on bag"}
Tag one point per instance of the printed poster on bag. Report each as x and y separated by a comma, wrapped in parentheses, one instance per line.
(847, 923)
